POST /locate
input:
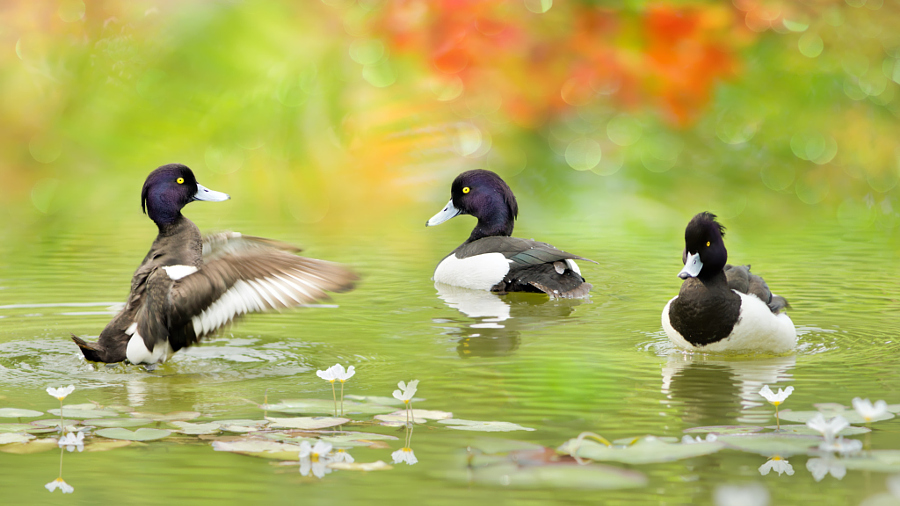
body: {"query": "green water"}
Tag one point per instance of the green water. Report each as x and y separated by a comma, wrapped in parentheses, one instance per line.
(560, 367)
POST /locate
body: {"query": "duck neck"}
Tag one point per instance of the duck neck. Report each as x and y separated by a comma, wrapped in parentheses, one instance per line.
(715, 278)
(167, 223)
(499, 224)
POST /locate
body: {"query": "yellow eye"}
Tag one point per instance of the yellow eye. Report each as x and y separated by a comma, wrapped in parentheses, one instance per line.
(181, 181)
(466, 189)
(707, 244)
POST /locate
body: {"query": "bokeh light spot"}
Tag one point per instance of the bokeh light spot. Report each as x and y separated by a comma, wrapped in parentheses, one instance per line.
(42, 194)
(467, 139)
(70, 10)
(451, 61)
(812, 187)
(777, 177)
(796, 25)
(576, 92)
(366, 51)
(224, 160)
(380, 74)
(583, 154)
(611, 163)
(44, 149)
(856, 3)
(660, 153)
(624, 130)
(446, 88)
(538, 6)
(855, 214)
(733, 129)
(810, 45)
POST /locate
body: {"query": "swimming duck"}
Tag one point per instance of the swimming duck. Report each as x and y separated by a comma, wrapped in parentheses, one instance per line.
(723, 307)
(188, 286)
(492, 260)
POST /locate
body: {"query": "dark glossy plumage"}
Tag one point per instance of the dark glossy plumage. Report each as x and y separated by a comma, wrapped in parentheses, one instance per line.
(188, 286)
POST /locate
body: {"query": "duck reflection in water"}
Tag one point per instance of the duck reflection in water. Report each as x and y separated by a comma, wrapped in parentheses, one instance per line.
(712, 390)
(499, 320)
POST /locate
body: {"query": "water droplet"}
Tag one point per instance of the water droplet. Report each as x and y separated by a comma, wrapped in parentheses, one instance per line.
(366, 51)
(810, 45)
(538, 6)
(379, 75)
(624, 130)
(583, 154)
(70, 10)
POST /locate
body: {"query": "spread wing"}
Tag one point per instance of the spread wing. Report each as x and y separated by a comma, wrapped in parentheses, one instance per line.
(252, 279)
(224, 243)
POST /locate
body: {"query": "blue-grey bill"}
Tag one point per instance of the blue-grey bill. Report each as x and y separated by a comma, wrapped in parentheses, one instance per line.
(204, 193)
(692, 266)
(446, 213)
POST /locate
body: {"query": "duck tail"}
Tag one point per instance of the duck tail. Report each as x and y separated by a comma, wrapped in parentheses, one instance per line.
(90, 350)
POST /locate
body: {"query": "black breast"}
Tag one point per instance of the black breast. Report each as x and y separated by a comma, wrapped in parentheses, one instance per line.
(705, 312)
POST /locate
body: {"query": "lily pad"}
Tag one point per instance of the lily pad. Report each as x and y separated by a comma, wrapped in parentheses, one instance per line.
(803, 429)
(357, 439)
(196, 428)
(568, 476)
(769, 445)
(143, 434)
(474, 425)
(307, 422)
(885, 461)
(102, 446)
(425, 414)
(179, 416)
(119, 422)
(851, 416)
(649, 450)
(242, 426)
(724, 429)
(15, 437)
(628, 441)
(377, 399)
(19, 413)
(395, 420)
(259, 448)
(495, 445)
(361, 466)
(83, 411)
(15, 427)
(33, 446)
(326, 407)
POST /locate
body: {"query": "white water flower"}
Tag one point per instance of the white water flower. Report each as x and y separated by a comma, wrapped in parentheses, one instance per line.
(753, 494)
(774, 398)
(777, 464)
(841, 445)
(72, 441)
(408, 391)
(404, 455)
(315, 459)
(829, 429)
(328, 374)
(867, 410)
(823, 466)
(710, 438)
(61, 392)
(342, 456)
(59, 484)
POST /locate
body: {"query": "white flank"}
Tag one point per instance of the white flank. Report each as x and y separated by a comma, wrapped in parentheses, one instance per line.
(177, 272)
(479, 272)
(475, 304)
(572, 265)
(137, 352)
(757, 329)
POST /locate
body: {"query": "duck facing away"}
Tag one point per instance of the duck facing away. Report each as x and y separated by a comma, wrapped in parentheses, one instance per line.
(492, 260)
(188, 286)
(723, 307)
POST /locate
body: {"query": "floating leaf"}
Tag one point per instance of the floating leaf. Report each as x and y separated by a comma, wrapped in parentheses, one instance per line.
(143, 434)
(196, 428)
(648, 450)
(307, 422)
(19, 413)
(259, 448)
(358, 439)
(769, 445)
(425, 414)
(590, 477)
(119, 422)
(460, 424)
(15, 427)
(395, 420)
(724, 429)
(14, 437)
(35, 446)
(495, 445)
(102, 446)
(177, 416)
(803, 429)
(377, 399)
(628, 441)
(242, 425)
(361, 466)
(885, 461)
(83, 411)
(851, 416)
(326, 407)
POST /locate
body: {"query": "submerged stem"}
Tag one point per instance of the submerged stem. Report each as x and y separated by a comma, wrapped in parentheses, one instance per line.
(334, 398)
(777, 420)
(60, 425)
(342, 398)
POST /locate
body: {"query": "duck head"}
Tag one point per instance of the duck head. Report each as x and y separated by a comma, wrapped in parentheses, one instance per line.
(704, 253)
(482, 194)
(171, 187)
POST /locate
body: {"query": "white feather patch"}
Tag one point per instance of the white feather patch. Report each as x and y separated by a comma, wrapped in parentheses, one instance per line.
(177, 272)
(572, 265)
(757, 329)
(137, 352)
(479, 272)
